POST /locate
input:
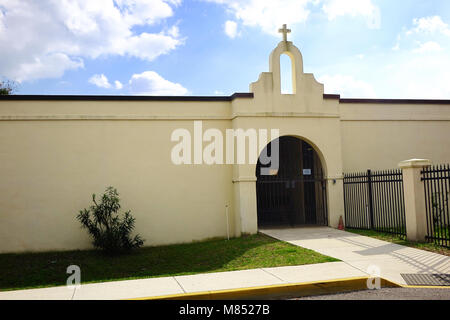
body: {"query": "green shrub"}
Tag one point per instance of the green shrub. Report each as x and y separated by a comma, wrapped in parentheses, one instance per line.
(110, 233)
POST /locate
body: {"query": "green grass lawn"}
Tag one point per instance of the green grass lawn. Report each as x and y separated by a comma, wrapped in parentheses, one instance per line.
(31, 270)
(402, 241)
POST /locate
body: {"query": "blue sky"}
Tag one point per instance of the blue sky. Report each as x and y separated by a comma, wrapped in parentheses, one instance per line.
(357, 48)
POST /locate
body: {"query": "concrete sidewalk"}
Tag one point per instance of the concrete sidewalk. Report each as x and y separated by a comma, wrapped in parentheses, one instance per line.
(356, 252)
(363, 252)
(154, 287)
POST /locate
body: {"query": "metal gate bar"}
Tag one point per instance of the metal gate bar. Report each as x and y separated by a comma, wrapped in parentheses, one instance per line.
(375, 201)
(437, 187)
(292, 202)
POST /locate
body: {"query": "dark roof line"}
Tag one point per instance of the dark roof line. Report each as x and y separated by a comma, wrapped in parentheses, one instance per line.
(204, 98)
(123, 98)
(385, 101)
(395, 101)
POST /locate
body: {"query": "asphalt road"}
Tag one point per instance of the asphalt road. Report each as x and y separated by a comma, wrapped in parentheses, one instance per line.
(387, 294)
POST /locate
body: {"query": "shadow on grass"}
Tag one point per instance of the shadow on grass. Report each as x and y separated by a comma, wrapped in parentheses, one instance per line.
(30, 270)
(427, 246)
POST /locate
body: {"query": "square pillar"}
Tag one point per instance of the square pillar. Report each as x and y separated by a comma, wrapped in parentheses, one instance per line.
(335, 195)
(413, 188)
(246, 208)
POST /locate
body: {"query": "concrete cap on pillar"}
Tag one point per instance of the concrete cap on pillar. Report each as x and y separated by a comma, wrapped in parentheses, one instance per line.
(415, 163)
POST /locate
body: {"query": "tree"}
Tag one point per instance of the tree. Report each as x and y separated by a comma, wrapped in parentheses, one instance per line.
(7, 87)
(109, 232)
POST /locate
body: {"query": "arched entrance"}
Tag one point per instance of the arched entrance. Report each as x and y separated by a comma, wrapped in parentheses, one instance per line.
(295, 194)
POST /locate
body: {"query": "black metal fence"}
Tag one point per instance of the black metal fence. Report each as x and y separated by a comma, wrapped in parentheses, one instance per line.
(437, 187)
(375, 201)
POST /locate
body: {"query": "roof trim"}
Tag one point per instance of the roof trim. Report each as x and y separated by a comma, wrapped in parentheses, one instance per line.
(15, 97)
(395, 101)
(332, 96)
(238, 95)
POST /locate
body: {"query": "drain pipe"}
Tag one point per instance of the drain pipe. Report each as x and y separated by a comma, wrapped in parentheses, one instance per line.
(228, 226)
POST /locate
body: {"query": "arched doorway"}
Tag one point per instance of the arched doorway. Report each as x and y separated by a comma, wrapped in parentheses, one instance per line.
(295, 194)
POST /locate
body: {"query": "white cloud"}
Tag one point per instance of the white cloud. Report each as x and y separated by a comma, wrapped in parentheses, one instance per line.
(43, 39)
(174, 31)
(118, 85)
(100, 80)
(52, 65)
(429, 46)
(418, 67)
(347, 86)
(430, 25)
(364, 8)
(269, 15)
(231, 29)
(152, 84)
(2, 26)
(423, 76)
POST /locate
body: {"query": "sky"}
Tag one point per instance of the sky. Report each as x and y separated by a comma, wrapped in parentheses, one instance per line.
(357, 48)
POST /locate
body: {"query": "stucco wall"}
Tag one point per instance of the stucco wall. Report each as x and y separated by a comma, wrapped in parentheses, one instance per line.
(380, 135)
(55, 154)
(50, 168)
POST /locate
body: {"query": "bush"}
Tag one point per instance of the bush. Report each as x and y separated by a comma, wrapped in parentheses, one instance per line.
(7, 87)
(110, 233)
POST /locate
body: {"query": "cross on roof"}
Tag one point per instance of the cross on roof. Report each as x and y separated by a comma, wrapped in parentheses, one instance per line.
(284, 31)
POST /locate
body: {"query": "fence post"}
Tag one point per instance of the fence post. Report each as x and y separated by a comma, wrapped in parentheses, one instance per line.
(369, 182)
(413, 188)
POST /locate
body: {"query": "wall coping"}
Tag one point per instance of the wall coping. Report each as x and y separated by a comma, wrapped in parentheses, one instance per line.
(15, 97)
(414, 163)
(240, 95)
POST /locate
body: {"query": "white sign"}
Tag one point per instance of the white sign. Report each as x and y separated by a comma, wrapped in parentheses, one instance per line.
(307, 172)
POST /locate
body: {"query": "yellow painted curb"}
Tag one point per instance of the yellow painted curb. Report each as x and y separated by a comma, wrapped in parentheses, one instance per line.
(419, 287)
(291, 289)
(425, 287)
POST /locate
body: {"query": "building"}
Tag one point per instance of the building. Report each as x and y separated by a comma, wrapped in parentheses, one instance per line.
(55, 151)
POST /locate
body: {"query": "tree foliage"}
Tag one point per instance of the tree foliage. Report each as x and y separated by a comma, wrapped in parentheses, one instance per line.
(7, 87)
(110, 233)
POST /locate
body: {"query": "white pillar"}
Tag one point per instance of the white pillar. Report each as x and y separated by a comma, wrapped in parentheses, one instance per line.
(416, 220)
(246, 208)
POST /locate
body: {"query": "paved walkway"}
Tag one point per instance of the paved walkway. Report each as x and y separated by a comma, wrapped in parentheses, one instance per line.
(362, 252)
(356, 252)
(152, 287)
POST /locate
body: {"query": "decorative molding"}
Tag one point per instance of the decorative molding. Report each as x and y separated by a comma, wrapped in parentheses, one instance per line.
(415, 163)
(70, 117)
(336, 177)
(245, 179)
(240, 95)
(285, 115)
(107, 117)
(410, 118)
(45, 117)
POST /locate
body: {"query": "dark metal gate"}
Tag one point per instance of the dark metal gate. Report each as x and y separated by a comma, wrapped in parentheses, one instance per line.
(295, 194)
(375, 201)
(292, 202)
(437, 192)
